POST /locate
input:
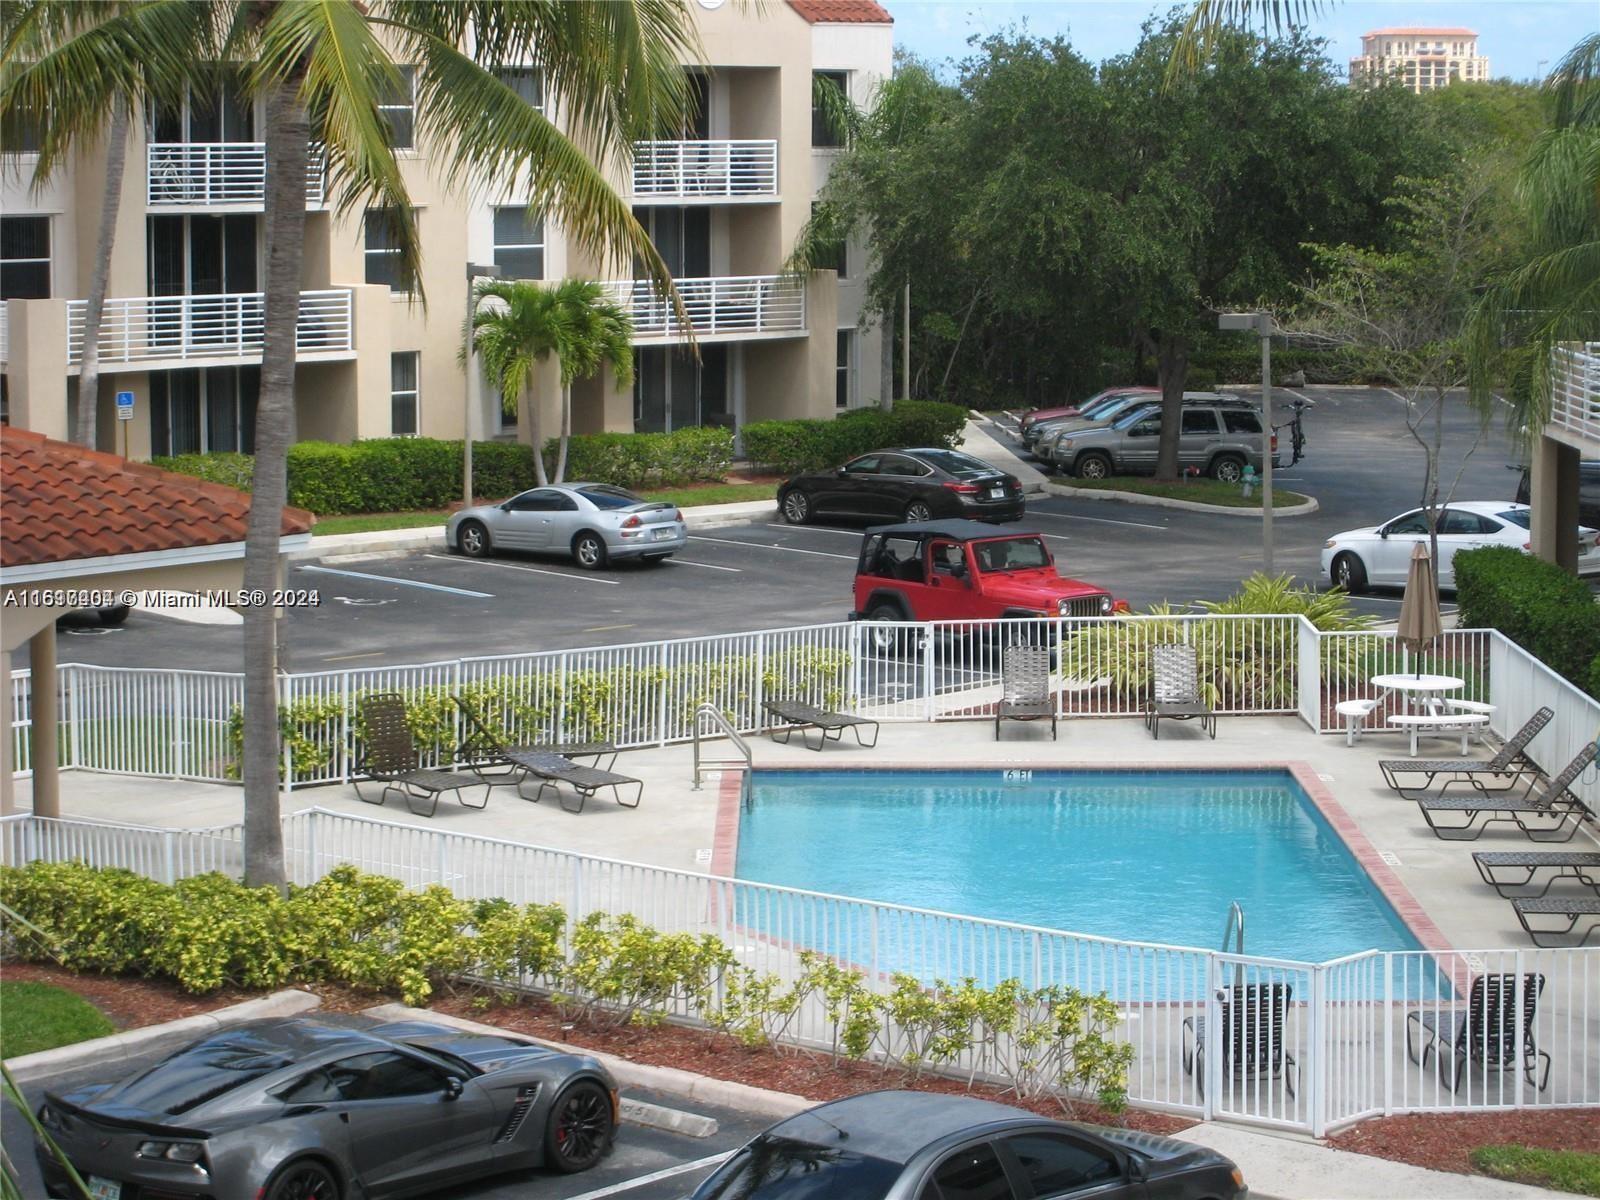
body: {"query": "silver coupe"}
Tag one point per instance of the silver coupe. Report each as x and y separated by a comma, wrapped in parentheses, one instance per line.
(592, 522)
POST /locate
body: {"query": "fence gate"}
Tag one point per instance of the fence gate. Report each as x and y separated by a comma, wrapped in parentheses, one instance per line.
(1254, 1051)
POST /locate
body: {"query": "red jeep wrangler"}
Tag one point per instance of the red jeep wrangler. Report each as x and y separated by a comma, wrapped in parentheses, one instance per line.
(965, 570)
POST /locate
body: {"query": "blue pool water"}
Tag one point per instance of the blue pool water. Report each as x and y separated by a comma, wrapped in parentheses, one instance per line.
(1135, 856)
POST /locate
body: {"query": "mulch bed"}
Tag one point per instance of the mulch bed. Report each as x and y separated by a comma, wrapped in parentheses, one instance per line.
(1443, 1141)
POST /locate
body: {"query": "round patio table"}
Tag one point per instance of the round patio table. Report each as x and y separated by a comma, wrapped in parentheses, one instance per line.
(1422, 690)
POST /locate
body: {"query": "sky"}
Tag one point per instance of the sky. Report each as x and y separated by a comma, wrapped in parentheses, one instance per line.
(1523, 39)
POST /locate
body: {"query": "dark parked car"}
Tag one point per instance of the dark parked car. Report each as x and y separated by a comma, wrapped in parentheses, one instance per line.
(923, 1146)
(1588, 492)
(905, 484)
(299, 1109)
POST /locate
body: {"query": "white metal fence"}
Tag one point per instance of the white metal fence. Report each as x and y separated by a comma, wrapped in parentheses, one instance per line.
(139, 329)
(1306, 1046)
(706, 169)
(219, 174)
(1575, 390)
(719, 305)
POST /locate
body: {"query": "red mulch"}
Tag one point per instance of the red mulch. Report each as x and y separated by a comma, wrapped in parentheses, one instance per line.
(1443, 1141)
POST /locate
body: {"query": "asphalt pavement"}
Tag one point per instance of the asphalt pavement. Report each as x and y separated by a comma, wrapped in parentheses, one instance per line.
(1362, 465)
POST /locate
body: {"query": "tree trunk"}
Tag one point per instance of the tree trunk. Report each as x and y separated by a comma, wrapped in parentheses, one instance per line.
(105, 238)
(287, 135)
(1172, 371)
(531, 399)
(886, 360)
(566, 431)
(1435, 468)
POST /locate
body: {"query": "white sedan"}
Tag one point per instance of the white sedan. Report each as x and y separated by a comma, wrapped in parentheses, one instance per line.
(1380, 555)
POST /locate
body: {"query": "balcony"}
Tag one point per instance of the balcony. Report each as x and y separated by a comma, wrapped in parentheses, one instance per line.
(1575, 393)
(162, 332)
(694, 172)
(723, 308)
(219, 176)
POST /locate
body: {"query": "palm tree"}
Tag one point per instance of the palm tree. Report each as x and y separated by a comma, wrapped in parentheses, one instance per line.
(1210, 19)
(574, 320)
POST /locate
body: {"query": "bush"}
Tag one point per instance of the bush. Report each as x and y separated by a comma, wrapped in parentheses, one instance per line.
(635, 460)
(1536, 604)
(789, 447)
(228, 468)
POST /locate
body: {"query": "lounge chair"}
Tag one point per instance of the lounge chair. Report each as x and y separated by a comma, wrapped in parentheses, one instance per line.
(1485, 1036)
(1025, 688)
(1176, 689)
(792, 715)
(1572, 908)
(1552, 816)
(389, 756)
(1499, 773)
(1253, 1017)
(484, 750)
(1578, 865)
(549, 767)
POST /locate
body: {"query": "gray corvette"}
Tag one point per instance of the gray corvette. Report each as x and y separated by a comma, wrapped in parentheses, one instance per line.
(593, 522)
(299, 1109)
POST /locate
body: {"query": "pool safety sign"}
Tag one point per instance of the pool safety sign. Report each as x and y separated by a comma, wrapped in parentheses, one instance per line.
(124, 406)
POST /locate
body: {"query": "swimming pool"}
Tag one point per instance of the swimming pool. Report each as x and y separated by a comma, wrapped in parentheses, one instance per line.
(1147, 856)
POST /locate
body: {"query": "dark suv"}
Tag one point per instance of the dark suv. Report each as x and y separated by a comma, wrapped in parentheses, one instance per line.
(1588, 492)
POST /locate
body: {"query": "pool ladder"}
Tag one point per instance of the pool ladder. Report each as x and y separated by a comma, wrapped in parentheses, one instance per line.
(711, 713)
(1234, 929)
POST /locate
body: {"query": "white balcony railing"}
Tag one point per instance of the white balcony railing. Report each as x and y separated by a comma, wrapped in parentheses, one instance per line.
(141, 329)
(5, 333)
(218, 175)
(721, 306)
(1575, 390)
(705, 170)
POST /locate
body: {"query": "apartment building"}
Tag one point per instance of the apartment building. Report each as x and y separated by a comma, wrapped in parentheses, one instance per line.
(1422, 58)
(723, 201)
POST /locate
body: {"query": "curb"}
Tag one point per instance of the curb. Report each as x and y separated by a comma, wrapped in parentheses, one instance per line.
(29, 1067)
(1297, 510)
(673, 1120)
(757, 1101)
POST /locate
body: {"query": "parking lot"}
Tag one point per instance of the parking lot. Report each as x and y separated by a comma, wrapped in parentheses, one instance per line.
(1362, 465)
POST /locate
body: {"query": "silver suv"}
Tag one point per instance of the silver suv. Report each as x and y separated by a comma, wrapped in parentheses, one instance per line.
(1220, 435)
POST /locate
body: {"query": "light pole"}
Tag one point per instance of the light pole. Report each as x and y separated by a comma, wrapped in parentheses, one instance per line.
(1261, 324)
(475, 272)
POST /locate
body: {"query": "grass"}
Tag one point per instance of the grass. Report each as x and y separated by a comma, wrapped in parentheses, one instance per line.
(1202, 491)
(41, 1016)
(684, 497)
(1564, 1170)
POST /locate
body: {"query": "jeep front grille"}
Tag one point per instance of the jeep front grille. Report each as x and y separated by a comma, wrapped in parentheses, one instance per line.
(1086, 606)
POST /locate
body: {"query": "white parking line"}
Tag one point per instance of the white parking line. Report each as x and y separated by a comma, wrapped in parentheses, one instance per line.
(684, 562)
(416, 583)
(1033, 512)
(627, 1185)
(765, 546)
(483, 562)
(813, 528)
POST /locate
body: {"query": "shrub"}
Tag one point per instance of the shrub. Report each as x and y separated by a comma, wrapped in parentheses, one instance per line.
(789, 447)
(229, 468)
(1536, 604)
(636, 460)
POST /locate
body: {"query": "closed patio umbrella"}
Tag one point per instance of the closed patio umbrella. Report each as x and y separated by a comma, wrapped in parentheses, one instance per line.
(1419, 608)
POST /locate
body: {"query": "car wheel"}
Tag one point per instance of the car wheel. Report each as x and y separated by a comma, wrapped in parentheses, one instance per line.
(882, 639)
(1093, 466)
(472, 539)
(796, 507)
(303, 1180)
(1350, 574)
(917, 511)
(113, 615)
(580, 1129)
(590, 551)
(1228, 468)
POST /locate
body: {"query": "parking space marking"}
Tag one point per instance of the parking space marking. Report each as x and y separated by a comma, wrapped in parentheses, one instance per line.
(348, 657)
(416, 583)
(766, 546)
(482, 562)
(685, 562)
(1098, 520)
(603, 628)
(628, 1185)
(813, 528)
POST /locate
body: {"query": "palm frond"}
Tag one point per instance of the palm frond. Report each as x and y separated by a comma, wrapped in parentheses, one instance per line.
(1211, 19)
(1575, 84)
(842, 118)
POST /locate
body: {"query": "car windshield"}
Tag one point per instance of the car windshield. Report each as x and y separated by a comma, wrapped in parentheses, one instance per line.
(603, 495)
(773, 1167)
(1517, 517)
(953, 462)
(1013, 554)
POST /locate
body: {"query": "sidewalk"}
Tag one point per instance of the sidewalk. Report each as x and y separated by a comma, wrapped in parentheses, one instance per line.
(978, 442)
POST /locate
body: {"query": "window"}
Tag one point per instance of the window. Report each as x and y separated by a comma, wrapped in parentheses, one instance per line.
(202, 411)
(900, 466)
(1240, 421)
(518, 243)
(542, 500)
(867, 464)
(1012, 554)
(1412, 522)
(1199, 422)
(385, 262)
(971, 1174)
(823, 134)
(785, 1169)
(384, 1075)
(1055, 1164)
(604, 495)
(20, 134)
(525, 82)
(1467, 523)
(833, 252)
(841, 385)
(403, 393)
(1147, 427)
(24, 258)
(397, 108)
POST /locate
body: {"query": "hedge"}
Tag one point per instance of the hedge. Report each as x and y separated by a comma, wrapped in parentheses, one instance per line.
(401, 474)
(1536, 604)
(788, 447)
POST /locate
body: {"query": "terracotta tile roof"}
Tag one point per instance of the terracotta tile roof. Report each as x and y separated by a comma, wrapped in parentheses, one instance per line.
(63, 502)
(844, 12)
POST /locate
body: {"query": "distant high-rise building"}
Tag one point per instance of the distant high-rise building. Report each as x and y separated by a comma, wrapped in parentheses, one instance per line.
(1422, 58)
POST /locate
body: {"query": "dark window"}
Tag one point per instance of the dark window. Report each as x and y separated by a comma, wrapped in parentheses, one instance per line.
(605, 496)
(781, 1169)
(953, 462)
(518, 243)
(24, 258)
(822, 131)
(1412, 522)
(21, 132)
(397, 109)
(315, 1088)
(835, 251)
(1056, 1165)
(1238, 420)
(1132, 416)
(1148, 427)
(383, 1075)
(971, 1174)
(525, 82)
(867, 464)
(385, 262)
(1013, 554)
(403, 393)
(1464, 523)
(841, 375)
(1518, 517)
(948, 558)
(1199, 421)
(896, 558)
(541, 500)
(901, 466)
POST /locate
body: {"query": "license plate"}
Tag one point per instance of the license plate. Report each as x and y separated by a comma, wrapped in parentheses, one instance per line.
(998, 493)
(104, 1189)
(662, 535)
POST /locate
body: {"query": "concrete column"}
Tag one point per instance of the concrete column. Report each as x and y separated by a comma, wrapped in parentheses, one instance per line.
(8, 800)
(42, 740)
(1553, 493)
(37, 373)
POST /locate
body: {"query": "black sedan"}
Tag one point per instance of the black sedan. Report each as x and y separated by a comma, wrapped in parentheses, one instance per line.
(299, 1109)
(923, 1146)
(905, 485)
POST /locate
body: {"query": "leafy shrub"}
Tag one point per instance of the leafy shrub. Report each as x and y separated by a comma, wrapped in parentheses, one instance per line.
(789, 447)
(623, 972)
(324, 478)
(234, 470)
(1536, 604)
(635, 460)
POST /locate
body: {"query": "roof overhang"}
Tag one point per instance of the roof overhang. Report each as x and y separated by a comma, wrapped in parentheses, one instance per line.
(151, 560)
